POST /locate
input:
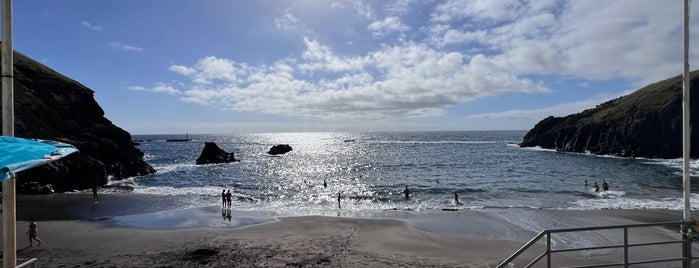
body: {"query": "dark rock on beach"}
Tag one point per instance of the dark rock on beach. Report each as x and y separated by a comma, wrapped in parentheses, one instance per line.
(279, 149)
(645, 123)
(212, 154)
(49, 105)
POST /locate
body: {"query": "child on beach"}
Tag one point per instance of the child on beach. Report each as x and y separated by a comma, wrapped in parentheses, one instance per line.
(33, 233)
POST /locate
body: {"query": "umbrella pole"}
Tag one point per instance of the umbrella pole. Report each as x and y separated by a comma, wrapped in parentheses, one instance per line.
(9, 228)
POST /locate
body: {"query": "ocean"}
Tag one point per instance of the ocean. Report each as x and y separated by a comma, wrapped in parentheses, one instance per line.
(486, 169)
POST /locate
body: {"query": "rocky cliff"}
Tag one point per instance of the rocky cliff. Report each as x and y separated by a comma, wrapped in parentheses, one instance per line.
(645, 123)
(49, 105)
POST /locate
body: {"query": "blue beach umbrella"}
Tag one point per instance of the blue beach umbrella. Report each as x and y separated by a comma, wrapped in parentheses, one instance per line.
(17, 154)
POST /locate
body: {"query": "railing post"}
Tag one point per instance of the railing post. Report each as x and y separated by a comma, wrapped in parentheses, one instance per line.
(686, 251)
(548, 249)
(626, 246)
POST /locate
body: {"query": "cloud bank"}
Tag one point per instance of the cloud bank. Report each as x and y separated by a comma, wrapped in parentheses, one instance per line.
(428, 57)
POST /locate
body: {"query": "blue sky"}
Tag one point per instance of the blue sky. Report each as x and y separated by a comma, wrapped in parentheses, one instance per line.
(176, 66)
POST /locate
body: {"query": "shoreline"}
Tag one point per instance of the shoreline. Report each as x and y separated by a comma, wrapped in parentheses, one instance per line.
(138, 230)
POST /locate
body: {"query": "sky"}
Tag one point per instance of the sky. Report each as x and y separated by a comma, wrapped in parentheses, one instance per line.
(217, 67)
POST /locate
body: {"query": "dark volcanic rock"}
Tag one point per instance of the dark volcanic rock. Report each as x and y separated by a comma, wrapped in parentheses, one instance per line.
(212, 154)
(51, 106)
(646, 123)
(279, 149)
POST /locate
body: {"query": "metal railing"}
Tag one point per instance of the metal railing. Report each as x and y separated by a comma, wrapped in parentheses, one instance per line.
(31, 263)
(547, 234)
(28, 263)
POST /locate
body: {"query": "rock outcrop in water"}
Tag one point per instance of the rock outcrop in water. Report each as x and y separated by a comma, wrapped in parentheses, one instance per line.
(279, 149)
(49, 105)
(645, 123)
(212, 154)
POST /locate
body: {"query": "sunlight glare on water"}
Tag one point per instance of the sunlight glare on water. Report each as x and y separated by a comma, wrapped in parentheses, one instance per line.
(370, 170)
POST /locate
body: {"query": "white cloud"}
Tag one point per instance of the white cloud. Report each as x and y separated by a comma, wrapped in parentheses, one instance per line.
(635, 40)
(158, 88)
(459, 52)
(393, 82)
(183, 70)
(386, 26)
(319, 57)
(209, 70)
(91, 26)
(399, 7)
(362, 9)
(122, 46)
(287, 22)
(479, 10)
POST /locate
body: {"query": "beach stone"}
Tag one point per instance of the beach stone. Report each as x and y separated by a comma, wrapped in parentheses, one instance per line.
(279, 149)
(212, 154)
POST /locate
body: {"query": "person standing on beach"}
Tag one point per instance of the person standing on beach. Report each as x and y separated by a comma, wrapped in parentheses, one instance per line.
(95, 197)
(406, 192)
(33, 233)
(223, 198)
(229, 198)
(338, 200)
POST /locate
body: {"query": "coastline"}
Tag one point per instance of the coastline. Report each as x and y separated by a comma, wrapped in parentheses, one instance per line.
(136, 230)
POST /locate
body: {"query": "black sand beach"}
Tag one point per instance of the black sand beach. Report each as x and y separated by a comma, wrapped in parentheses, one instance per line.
(132, 230)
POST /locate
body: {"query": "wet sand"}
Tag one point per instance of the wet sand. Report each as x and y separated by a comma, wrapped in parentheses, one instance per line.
(131, 230)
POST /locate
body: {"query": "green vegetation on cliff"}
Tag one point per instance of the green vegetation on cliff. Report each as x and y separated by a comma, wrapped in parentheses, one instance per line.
(645, 123)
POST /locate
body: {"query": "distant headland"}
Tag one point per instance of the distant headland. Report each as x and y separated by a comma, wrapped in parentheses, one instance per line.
(645, 123)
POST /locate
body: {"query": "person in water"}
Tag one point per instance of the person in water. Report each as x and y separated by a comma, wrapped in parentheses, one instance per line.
(605, 185)
(596, 187)
(456, 199)
(585, 183)
(406, 192)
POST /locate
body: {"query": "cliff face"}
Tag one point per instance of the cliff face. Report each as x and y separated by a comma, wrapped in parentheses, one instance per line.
(646, 123)
(51, 106)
